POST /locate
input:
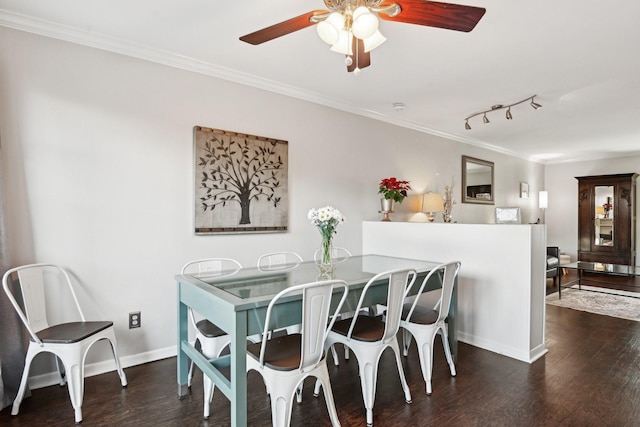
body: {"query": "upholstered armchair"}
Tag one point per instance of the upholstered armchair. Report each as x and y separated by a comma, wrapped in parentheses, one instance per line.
(553, 263)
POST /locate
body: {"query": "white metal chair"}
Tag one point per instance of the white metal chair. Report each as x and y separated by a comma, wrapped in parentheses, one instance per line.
(338, 254)
(424, 322)
(69, 342)
(368, 336)
(285, 362)
(212, 339)
(279, 261)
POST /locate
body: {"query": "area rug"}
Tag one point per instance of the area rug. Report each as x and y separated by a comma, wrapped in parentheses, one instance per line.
(625, 305)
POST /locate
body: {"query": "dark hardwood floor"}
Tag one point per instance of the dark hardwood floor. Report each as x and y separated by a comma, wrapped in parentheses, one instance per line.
(589, 377)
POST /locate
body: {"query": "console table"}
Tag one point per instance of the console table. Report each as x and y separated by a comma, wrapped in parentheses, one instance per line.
(599, 268)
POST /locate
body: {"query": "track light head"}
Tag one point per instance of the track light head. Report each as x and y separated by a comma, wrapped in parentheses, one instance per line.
(509, 116)
(485, 119)
(535, 105)
(467, 126)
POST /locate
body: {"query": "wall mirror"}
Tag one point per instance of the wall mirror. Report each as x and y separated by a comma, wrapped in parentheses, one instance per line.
(477, 181)
(603, 215)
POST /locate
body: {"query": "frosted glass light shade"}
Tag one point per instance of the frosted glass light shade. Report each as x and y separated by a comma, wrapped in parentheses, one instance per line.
(344, 44)
(374, 41)
(364, 24)
(329, 29)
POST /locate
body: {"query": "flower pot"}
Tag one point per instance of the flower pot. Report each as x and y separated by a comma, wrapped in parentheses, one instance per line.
(386, 207)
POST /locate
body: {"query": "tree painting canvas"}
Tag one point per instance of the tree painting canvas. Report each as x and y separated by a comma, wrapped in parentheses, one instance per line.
(240, 182)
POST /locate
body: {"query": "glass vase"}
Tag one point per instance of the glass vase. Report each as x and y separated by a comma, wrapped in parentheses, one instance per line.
(325, 258)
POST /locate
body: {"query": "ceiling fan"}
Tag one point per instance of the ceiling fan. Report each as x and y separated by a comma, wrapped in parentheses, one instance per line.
(351, 26)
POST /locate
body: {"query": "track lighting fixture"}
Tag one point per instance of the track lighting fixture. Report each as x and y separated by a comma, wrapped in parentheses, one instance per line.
(508, 115)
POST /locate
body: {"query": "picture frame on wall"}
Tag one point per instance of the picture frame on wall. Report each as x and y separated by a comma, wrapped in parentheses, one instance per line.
(524, 190)
(240, 183)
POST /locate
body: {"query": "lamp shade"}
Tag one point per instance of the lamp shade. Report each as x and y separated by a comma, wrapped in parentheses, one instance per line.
(432, 202)
(543, 199)
(329, 29)
(600, 210)
(364, 23)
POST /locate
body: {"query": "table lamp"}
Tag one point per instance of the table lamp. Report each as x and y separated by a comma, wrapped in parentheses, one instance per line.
(432, 203)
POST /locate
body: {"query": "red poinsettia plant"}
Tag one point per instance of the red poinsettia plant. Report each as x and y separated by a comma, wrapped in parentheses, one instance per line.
(393, 189)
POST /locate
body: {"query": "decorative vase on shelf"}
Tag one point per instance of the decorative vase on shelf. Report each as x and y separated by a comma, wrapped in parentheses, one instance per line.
(386, 207)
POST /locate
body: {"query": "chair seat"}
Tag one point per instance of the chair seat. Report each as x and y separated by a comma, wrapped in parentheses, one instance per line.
(367, 328)
(208, 329)
(282, 353)
(66, 333)
(421, 315)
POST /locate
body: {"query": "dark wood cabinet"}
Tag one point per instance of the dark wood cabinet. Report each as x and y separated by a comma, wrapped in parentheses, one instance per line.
(607, 218)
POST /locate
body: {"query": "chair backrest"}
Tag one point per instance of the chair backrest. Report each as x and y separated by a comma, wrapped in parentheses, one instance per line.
(338, 254)
(279, 261)
(316, 302)
(212, 266)
(449, 273)
(398, 282)
(32, 283)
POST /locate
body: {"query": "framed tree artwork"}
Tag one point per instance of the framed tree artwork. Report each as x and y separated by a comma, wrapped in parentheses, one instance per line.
(241, 182)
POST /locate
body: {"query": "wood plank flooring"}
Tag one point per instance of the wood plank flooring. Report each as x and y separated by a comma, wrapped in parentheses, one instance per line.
(589, 377)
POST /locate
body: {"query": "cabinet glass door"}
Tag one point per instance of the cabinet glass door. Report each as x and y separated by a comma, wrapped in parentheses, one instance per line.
(603, 215)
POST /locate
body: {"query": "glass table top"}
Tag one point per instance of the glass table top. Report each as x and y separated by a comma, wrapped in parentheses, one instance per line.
(600, 267)
(253, 282)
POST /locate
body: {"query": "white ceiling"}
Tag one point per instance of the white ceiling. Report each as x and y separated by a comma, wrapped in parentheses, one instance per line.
(580, 57)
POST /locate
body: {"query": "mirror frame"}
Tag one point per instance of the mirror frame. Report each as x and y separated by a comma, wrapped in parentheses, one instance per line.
(472, 160)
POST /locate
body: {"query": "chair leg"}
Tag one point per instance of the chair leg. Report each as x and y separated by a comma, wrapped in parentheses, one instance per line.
(75, 383)
(116, 359)
(334, 354)
(447, 350)
(23, 382)
(323, 378)
(406, 341)
(61, 373)
(396, 350)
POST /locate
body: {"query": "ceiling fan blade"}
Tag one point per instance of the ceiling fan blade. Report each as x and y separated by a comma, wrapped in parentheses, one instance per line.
(360, 58)
(435, 14)
(283, 28)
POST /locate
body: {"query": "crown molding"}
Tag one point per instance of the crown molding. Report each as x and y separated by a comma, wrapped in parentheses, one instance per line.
(126, 47)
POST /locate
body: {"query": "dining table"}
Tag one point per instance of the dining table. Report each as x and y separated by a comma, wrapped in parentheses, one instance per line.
(237, 301)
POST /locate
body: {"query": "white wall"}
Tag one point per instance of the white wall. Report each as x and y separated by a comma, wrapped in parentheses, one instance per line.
(98, 160)
(562, 213)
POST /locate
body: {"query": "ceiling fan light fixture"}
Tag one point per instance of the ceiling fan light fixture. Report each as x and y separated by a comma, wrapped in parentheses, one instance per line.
(364, 23)
(344, 44)
(329, 29)
(373, 41)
